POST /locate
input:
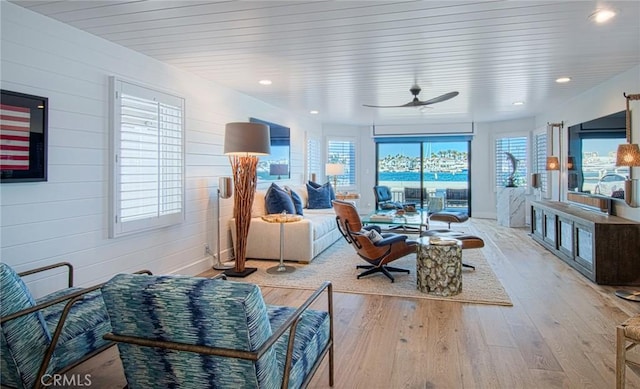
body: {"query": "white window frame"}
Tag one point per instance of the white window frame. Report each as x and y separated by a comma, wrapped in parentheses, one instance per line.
(347, 181)
(157, 178)
(523, 163)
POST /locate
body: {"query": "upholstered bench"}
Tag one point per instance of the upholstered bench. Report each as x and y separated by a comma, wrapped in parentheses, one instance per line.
(468, 241)
(449, 217)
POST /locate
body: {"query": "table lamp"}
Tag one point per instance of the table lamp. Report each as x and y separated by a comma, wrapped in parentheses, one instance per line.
(278, 169)
(334, 169)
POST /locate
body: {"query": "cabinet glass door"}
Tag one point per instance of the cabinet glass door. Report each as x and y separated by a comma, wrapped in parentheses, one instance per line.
(584, 246)
(565, 236)
(536, 225)
(550, 228)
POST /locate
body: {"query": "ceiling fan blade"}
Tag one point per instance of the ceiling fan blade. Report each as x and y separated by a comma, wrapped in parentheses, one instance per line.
(439, 99)
(414, 103)
(417, 103)
(388, 106)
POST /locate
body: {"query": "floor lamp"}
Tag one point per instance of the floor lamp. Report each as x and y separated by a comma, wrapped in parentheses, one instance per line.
(243, 143)
(225, 190)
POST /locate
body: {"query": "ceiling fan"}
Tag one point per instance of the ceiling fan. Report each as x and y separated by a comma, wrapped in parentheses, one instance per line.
(415, 90)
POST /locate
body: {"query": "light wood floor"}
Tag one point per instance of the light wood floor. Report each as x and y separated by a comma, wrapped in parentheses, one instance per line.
(560, 332)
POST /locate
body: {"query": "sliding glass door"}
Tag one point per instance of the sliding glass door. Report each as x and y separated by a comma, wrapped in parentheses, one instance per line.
(431, 174)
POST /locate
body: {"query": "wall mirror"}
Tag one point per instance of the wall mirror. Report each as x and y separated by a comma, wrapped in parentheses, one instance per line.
(591, 160)
(277, 165)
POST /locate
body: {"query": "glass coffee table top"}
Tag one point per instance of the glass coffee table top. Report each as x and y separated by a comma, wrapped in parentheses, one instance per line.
(417, 219)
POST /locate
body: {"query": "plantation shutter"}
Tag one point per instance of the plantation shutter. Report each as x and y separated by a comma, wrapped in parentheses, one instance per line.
(540, 160)
(148, 159)
(517, 146)
(313, 156)
(343, 151)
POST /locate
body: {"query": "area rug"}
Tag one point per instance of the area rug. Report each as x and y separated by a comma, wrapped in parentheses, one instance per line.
(338, 265)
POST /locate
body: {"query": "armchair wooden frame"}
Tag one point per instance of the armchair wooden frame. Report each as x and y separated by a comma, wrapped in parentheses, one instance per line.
(72, 299)
(290, 324)
(624, 344)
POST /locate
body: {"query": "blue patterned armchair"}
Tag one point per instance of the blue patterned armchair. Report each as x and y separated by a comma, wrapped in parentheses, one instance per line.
(50, 335)
(192, 332)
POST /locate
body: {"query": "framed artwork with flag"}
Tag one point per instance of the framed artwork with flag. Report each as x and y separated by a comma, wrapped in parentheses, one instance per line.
(23, 137)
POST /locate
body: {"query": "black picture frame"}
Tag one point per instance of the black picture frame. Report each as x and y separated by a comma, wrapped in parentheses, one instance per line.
(23, 137)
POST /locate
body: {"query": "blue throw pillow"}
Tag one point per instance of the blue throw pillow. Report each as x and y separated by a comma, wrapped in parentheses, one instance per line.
(297, 201)
(278, 200)
(319, 198)
(332, 194)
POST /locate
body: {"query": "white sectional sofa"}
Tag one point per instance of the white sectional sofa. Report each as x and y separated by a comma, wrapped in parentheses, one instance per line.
(303, 240)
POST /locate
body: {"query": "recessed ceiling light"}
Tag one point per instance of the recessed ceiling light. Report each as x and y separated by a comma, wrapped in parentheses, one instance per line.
(518, 103)
(314, 112)
(602, 15)
(562, 80)
(265, 82)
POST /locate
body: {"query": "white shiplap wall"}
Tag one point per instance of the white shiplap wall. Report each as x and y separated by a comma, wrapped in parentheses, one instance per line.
(66, 218)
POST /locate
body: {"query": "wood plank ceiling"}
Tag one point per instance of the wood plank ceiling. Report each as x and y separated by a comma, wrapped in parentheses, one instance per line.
(335, 56)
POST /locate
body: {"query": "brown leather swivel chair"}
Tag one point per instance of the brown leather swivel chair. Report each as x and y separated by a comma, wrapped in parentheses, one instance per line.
(378, 254)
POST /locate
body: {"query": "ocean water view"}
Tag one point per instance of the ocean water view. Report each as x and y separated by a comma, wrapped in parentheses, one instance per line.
(461, 176)
(435, 182)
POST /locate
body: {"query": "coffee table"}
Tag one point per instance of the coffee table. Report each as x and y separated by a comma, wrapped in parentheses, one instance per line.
(418, 219)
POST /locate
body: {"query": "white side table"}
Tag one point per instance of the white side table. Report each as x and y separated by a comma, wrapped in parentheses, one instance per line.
(281, 218)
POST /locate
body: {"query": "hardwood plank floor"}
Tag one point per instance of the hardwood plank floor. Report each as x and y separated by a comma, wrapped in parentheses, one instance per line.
(560, 332)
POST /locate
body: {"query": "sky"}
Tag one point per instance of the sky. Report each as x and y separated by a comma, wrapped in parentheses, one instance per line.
(413, 149)
(601, 146)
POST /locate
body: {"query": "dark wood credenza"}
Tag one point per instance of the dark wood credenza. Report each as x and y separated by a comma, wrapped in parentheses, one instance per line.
(604, 248)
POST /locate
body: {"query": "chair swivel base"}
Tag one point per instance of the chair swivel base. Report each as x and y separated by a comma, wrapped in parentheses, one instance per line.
(403, 228)
(380, 269)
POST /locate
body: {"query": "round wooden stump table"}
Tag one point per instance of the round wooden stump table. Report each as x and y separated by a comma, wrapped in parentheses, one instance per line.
(439, 266)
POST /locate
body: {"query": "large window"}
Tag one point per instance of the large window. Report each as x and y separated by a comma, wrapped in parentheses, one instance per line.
(148, 158)
(517, 148)
(432, 173)
(343, 151)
